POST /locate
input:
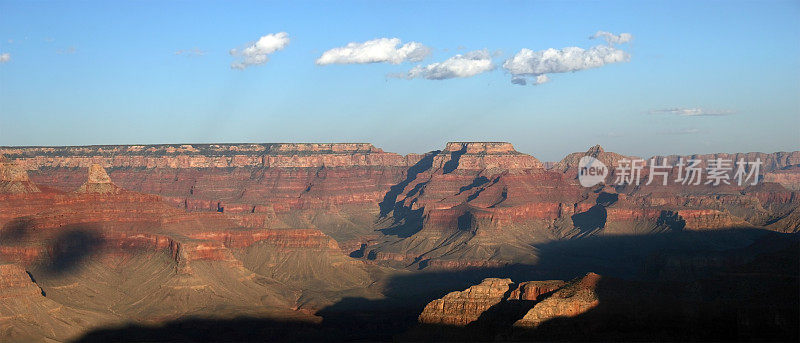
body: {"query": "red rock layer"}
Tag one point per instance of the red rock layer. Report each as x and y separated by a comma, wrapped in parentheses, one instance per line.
(464, 307)
(471, 204)
(572, 300)
(33, 224)
(535, 290)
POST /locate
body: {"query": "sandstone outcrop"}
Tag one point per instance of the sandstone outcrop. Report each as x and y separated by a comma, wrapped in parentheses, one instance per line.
(14, 179)
(535, 290)
(464, 307)
(468, 306)
(98, 182)
(571, 300)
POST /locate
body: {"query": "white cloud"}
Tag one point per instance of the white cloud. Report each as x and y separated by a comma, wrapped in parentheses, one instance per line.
(537, 80)
(5, 57)
(466, 65)
(692, 112)
(258, 52)
(375, 51)
(193, 52)
(529, 62)
(611, 38)
(528, 66)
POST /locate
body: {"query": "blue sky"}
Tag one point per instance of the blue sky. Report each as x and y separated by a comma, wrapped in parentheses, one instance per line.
(86, 72)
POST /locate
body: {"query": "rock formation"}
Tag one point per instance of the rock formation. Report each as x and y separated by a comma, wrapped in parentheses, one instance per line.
(467, 306)
(98, 182)
(569, 301)
(14, 179)
(462, 308)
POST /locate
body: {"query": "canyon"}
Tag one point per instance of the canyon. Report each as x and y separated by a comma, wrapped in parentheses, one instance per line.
(476, 239)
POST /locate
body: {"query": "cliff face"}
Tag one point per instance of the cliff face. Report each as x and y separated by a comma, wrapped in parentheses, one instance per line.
(297, 155)
(448, 216)
(270, 184)
(467, 306)
(469, 204)
(462, 308)
(483, 155)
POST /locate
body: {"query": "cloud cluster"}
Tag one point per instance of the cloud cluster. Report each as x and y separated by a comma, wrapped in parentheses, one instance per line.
(692, 112)
(375, 51)
(5, 57)
(528, 66)
(525, 67)
(611, 38)
(466, 65)
(258, 52)
(528, 63)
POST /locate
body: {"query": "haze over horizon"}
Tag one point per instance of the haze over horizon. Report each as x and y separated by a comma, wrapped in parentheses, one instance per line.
(645, 79)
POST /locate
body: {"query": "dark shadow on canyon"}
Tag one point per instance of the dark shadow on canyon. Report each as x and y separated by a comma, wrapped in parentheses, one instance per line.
(593, 220)
(405, 220)
(17, 230)
(590, 221)
(737, 284)
(68, 250)
(455, 156)
(390, 199)
(465, 221)
(477, 182)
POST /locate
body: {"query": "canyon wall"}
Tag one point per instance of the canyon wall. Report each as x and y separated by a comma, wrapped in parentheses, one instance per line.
(469, 204)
